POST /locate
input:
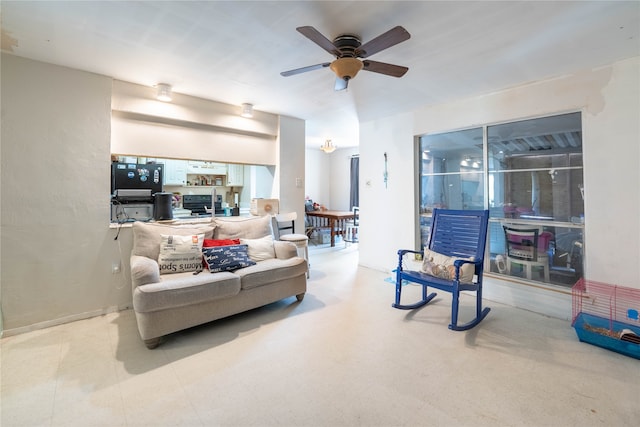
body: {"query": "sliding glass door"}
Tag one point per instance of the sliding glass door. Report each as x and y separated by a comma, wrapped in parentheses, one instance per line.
(529, 175)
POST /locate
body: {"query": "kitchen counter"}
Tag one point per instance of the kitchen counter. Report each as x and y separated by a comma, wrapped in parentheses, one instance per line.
(184, 219)
(187, 220)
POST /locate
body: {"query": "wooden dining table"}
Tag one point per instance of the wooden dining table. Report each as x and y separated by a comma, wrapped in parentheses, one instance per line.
(334, 220)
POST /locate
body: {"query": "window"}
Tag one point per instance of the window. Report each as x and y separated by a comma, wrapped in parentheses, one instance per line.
(532, 179)
(451, 174)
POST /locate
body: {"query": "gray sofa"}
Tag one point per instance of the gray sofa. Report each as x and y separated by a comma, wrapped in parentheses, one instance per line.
(166, 303)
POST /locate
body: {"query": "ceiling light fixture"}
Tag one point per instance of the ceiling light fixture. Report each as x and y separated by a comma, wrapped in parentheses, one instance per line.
(328, 147)
(164, 92)
(247, 110)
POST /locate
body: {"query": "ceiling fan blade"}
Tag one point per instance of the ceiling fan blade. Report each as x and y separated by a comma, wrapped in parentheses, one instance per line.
(390, 38)
(341, 84)
(384, 68)
(304, 69)
(316, 37)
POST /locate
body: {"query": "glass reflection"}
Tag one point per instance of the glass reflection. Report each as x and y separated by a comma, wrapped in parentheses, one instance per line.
(535, 182)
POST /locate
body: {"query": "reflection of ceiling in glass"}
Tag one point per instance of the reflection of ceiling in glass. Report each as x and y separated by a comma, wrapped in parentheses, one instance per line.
(556, 142)
(562, 133)
(462, 143)
(555, 133)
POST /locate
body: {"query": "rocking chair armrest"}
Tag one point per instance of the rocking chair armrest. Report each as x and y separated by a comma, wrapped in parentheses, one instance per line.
(459, 262)
(401, 252)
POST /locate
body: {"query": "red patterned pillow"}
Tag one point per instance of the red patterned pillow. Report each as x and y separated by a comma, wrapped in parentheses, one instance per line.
(209, 243)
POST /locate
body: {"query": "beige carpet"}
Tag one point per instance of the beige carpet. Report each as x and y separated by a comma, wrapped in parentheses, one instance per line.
(342, 357)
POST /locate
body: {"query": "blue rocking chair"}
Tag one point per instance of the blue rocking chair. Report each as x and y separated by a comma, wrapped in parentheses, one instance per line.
(455, 233)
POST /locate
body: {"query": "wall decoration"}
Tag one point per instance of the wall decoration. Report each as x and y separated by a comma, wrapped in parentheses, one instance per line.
(386, 173)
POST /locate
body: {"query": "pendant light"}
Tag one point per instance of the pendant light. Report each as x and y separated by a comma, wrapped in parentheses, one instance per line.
(328, 147)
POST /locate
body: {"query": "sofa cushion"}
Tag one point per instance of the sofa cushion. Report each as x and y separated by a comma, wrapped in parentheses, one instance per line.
(271, 270)
(146, 236)
(179, 254)
(260, 249)
(234, 227)
(182, 289)
(226, 258)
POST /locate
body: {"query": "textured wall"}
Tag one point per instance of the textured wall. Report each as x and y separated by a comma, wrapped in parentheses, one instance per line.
(57, 251)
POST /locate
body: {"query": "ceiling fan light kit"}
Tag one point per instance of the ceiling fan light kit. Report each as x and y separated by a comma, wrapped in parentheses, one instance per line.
(347, 48)
(346, 68)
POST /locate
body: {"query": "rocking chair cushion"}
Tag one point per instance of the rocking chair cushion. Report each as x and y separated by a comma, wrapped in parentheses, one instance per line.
(441, 266)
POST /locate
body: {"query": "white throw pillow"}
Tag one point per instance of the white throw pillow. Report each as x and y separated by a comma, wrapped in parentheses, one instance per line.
(260, 249)
(146, 236)
(179, 254)
(441, 266)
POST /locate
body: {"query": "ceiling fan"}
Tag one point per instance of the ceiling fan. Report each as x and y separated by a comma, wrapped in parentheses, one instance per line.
(347, 48)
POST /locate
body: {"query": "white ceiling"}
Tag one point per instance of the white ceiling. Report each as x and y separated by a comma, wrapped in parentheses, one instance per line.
(234, 51)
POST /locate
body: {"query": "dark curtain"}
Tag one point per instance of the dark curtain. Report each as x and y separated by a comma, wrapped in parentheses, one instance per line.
(354, 194)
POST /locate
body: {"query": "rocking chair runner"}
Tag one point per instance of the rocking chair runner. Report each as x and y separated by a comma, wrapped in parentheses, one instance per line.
(459, 234)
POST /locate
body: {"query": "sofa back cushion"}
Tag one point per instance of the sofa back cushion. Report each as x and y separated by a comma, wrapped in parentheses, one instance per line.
(260, 249)
(250, 227)
(147, 236)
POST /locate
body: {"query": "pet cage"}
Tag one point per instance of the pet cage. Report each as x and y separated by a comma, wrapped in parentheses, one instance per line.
(607, 316)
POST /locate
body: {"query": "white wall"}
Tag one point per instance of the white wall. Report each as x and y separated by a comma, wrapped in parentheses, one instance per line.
(328, 177)
(290, 170)
(261, 179)
(609, 98)
(387, 213)
(341, 178)
(318, 181)
(188, 128)
(57, 249)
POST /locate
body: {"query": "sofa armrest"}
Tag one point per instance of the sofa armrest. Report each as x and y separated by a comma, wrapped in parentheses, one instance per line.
(144, 270)
(285, 250)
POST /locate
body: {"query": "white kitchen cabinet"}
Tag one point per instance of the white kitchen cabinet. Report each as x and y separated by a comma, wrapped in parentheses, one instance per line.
(206, 168)
(235, 175)
(175, 172)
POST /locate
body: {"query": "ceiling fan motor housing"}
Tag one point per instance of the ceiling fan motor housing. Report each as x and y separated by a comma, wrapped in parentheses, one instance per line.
(347, 65)
(347, 45)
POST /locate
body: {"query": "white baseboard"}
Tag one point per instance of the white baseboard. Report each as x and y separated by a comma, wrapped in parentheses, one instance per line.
(61, 321)
(543, 299)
